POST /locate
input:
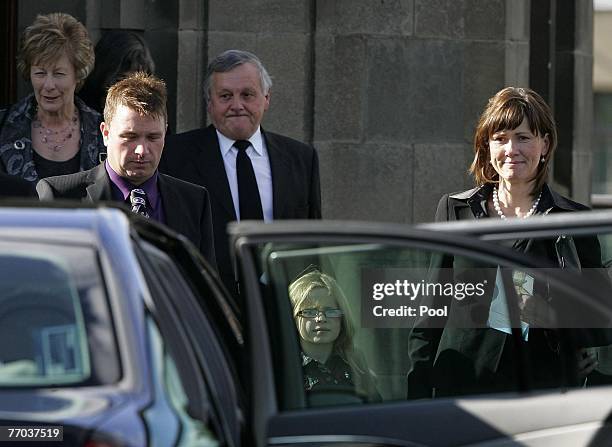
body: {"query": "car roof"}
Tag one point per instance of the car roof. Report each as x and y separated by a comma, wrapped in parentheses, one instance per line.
(66, 221)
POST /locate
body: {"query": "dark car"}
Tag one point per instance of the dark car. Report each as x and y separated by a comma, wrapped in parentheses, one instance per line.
(102, 334)
(126, 337)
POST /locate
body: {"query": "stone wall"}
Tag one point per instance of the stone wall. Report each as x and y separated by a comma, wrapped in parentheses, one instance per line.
(399, 96)
(388, 91)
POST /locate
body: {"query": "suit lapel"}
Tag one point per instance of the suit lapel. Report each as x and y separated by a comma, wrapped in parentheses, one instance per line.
(280, 170)
(212, 169)
(99, 184)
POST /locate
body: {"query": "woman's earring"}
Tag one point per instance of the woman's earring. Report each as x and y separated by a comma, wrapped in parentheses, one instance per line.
(542, 159)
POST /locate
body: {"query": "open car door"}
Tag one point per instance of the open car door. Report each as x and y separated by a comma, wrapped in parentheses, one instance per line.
(425, 336)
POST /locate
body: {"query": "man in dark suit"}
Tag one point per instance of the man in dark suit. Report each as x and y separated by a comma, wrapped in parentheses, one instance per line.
(133, 130)
(277, 179)
(12, 186)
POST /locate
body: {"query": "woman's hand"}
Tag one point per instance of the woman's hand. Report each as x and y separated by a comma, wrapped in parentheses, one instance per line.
(536, 311)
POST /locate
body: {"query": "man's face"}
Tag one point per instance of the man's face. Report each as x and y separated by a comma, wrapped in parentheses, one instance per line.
(134, 144)
(237, 103)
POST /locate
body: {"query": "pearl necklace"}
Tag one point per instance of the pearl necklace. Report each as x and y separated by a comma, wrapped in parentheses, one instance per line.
(501, 213)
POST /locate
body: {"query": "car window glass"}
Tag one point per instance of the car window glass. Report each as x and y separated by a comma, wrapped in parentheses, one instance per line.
(367, 323)
(192, 431)
(53, 310)
(208, 296)
(591, 257)
(198, 357)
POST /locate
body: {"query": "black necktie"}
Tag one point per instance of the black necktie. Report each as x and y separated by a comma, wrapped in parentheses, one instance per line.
(248, 193)
(138, 199)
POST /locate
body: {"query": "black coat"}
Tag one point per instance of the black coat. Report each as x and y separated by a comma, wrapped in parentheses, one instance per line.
(195, 157)
(186, 206)
(12, 186)
(458, 359)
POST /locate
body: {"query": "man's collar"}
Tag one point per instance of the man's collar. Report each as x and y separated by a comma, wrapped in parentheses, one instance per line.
(226, 144)
(125, 187)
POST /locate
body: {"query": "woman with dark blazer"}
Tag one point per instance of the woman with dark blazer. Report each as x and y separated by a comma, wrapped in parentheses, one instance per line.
(514, 143)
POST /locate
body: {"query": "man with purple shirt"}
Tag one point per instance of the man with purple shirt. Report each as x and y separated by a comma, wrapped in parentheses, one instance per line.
(134, 128)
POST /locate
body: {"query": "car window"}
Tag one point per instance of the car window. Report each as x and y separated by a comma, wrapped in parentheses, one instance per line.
(368, 323)
(590, 255)
(54, 317)
(189, 430)
(205, 390)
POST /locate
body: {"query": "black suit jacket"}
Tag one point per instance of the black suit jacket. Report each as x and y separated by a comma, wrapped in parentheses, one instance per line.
(195, 156)
(13, 186)
(186, 206)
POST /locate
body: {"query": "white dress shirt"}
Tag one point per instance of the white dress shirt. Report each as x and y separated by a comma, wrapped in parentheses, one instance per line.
(258, 153)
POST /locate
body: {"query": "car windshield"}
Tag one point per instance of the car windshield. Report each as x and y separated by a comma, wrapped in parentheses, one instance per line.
(53, 317)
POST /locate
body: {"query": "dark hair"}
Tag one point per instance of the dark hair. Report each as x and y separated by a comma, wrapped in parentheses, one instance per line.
(506, 111)
(230, 59)
(118, 53)
(48, 37)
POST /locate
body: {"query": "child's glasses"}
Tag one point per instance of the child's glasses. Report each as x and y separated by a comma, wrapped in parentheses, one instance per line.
(314, 313)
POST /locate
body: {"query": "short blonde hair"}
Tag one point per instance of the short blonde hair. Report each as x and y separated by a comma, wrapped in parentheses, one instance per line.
(506, 111)
(299, 294)
(51, 35)
(142, 92)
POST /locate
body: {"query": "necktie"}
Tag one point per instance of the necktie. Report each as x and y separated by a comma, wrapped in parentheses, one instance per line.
(248, 193)
(138, 199)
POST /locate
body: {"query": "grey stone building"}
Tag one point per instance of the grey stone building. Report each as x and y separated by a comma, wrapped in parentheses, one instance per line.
(388, 91)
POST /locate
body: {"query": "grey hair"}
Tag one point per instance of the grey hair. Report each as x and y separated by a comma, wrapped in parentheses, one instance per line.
(230, 59)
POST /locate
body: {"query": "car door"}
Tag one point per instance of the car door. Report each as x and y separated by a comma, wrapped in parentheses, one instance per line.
(490, 378)
(199, 338)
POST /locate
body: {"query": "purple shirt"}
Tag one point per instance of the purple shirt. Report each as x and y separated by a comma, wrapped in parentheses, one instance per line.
(121, 188)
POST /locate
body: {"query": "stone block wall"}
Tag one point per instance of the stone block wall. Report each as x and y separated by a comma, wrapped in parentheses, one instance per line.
(280, 33)
(397, 96)
(388, 91)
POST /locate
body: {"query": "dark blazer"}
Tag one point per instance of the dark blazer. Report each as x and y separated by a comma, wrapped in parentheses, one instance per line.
(186, 206)
(195, 156)
(12, 186)
(457, 358)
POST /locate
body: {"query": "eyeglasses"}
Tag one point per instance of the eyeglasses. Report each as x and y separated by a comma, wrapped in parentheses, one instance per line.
(314, 313)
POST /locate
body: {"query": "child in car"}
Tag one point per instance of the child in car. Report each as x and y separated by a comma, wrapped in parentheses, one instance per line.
(329, 359)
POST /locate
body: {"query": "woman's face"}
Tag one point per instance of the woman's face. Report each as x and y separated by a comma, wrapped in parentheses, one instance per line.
(319, 329)
(515, 154)
(54, 85)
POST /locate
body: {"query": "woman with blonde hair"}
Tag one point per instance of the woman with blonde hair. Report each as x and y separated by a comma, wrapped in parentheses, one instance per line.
(51, 131)
(324, 323)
